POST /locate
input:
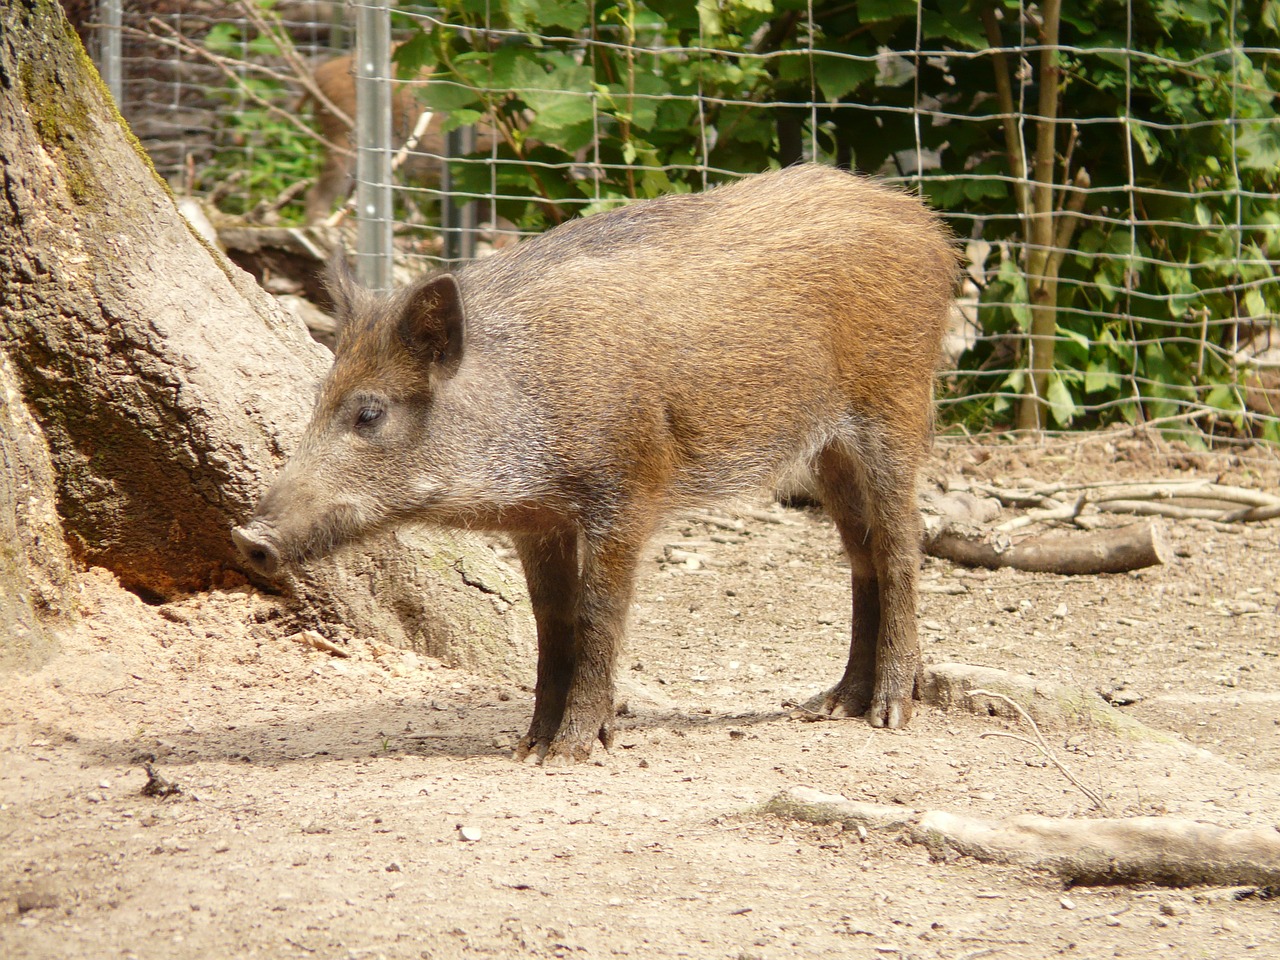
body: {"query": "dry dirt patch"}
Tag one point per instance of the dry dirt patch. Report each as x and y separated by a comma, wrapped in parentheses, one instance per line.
(366, 806)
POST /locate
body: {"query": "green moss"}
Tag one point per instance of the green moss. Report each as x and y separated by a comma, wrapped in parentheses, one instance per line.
(61, 121)
(58, 86)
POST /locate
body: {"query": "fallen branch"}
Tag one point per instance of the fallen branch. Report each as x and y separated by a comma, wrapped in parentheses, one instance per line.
(1098, 551)
(1068, 512)
(1163, 850)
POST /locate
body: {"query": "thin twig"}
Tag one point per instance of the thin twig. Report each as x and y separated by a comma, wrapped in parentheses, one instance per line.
(1239, 504)
(1041, 744)
(302, 73)
(419, 130)
(226, 64)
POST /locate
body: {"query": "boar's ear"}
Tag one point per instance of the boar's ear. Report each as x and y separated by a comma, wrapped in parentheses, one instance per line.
(341, 286)
(433, 325)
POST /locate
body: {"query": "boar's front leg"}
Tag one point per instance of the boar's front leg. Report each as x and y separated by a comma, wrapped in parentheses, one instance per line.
(576, 670)
(550, 564)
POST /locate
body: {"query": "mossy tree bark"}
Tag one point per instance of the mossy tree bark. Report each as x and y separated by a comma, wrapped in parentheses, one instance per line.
(169, 387)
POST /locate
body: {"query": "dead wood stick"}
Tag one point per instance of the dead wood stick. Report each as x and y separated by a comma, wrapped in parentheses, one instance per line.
(1104, 490)
(1177, 511)
(1151, 508)
(768, 516)
(1252, 514)
(1130, 850)
(419, 129)
(1098, 551)
(1197, 491)
(1068, 512)
(311, 638)
(1163, 850)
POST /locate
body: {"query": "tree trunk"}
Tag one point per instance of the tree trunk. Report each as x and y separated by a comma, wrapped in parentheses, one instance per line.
(35, 569)
(169, 386)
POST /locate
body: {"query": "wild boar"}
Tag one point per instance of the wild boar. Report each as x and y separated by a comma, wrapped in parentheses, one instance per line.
(575, 389)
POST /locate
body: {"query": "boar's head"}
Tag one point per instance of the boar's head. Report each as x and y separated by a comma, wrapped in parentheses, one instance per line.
(365, 462)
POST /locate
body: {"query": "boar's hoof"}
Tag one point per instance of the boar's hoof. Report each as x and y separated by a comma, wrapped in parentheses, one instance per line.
(561, 750)
(840, 703)
(890, 714)
(259, 553)
(847, 701)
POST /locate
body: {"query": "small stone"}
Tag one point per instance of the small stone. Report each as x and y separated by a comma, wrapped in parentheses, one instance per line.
(470, 834)
(1067, 903)
(393, 867)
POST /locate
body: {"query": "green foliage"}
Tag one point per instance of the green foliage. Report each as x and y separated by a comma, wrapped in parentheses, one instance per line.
(258, 149)
(1164, 282)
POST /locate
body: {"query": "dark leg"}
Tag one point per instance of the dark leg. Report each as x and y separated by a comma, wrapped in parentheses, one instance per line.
(604, 596)
(874, 508)
(550, 564)
(896, 549)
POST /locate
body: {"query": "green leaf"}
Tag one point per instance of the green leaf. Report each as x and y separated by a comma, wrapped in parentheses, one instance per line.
(561, 99)
(709, 19)
(1226, 398)
(414, 54)
(531, 16)
(956, 23)
(1145, 140)
(840, 76)
(1258, 145)
(1256, 304)
(1203, 13)
(873, 11)
(445, 95)
(1075, 336)
(1101, 376)
(639, 105)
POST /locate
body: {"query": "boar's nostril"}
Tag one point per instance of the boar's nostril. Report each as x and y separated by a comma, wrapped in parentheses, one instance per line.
(258, 550)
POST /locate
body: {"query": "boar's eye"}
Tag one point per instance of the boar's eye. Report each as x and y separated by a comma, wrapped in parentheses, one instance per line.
(370, 415)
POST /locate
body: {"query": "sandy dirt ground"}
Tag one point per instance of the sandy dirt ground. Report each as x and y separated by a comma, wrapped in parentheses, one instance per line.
(367, 807)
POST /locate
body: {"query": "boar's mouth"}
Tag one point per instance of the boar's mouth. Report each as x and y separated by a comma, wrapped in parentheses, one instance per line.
(267, 550)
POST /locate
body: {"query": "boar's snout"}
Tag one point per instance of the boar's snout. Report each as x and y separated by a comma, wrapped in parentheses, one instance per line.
(257, 548)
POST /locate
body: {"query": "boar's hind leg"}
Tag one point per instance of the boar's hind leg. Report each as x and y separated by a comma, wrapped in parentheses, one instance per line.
(873, 506)
(550, 564)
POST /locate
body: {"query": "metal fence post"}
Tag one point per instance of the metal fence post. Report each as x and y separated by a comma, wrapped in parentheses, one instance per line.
(109, 55)
(457, 218)
(373, 144)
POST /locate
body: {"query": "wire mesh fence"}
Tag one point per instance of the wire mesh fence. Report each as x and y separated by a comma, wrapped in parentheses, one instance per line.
(1110, 168)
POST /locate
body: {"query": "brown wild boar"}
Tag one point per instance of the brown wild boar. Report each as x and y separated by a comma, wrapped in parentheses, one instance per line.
(575, 389)
(336, 80)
